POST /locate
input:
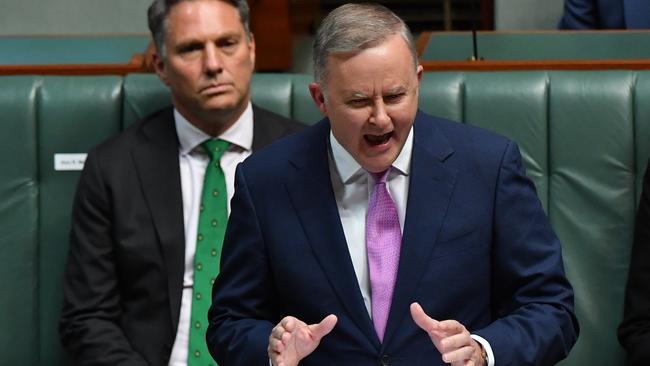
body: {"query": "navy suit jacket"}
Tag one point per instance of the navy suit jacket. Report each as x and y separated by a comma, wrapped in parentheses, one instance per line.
(477, 247)
(606, 14)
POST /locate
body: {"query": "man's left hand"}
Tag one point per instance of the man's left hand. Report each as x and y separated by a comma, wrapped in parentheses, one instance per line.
(451, 338)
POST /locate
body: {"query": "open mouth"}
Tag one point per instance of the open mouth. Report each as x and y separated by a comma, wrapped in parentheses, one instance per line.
(375, 140)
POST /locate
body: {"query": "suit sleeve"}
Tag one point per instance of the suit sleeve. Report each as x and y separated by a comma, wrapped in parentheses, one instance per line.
(634, 332)
(532, 301)
(89, 325)
(242, 296)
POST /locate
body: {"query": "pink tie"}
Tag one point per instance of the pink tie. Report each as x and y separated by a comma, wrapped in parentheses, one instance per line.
(383, 240)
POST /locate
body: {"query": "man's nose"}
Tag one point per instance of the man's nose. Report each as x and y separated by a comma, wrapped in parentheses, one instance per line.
(379, 115)
(211, 59)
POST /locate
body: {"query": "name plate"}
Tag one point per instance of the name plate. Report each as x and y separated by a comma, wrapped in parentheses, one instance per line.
(68, 162)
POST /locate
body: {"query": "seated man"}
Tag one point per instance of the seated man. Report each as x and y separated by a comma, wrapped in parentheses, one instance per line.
(385, 235)
(146, 230)
(634, 331)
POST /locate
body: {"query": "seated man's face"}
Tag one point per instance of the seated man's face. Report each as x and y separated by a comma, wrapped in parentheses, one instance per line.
(371, 101)
(209, 60)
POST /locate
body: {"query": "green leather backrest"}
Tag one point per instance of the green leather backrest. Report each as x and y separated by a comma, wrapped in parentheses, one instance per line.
(584, 137)
(18, 222)
(143, 95)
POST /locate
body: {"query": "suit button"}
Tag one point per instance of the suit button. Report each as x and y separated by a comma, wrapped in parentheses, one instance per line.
(385, 360)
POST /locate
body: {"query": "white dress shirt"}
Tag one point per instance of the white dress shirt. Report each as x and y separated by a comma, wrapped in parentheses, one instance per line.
(352, 187)
(193, 161)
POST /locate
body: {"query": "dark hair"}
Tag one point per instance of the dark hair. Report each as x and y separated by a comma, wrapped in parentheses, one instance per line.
(158, 18)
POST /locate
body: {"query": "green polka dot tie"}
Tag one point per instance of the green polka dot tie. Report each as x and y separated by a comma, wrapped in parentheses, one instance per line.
(211, 229)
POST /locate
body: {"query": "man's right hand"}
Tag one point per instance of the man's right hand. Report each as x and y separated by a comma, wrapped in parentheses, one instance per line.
(292, 340)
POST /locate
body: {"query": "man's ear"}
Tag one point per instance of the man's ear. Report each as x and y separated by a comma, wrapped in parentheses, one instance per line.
(419, 71)
(318, 96)
(251, 49)
(159, 66)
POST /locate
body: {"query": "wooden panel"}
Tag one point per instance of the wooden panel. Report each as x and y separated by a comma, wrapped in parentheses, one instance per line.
(270, 26)
(136, 64)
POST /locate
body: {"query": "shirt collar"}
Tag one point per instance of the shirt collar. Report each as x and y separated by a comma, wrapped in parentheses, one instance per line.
(348, 168)
(239, 134)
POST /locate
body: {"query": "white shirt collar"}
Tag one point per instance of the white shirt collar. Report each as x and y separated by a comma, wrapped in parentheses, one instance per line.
(239, 134)
(348, 167)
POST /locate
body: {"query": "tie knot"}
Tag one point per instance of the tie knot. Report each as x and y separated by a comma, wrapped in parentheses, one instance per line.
(381, 176)
(215, 148)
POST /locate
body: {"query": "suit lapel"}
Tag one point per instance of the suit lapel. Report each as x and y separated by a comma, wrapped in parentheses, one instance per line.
(320, 220)
(156, 161)
(430, 188)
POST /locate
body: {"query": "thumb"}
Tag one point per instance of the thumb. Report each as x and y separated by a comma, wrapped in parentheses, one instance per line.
(323, 328)
(422, 319)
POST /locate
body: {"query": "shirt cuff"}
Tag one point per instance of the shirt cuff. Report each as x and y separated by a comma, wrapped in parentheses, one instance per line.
(486, 347)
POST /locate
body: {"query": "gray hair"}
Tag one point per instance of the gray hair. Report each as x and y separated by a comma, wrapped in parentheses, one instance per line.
(353, 28)
(158, 18)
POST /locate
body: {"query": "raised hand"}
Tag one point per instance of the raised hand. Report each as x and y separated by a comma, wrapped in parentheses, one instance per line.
(291, 340)
(451, 338)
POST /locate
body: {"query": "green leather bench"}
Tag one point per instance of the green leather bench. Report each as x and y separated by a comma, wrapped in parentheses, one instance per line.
(585, 137)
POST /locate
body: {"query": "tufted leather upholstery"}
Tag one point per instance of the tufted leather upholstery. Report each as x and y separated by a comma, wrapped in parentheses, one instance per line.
(585, 137)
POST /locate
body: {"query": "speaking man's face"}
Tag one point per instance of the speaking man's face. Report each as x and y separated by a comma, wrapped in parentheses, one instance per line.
(209, 61)
(371, 99)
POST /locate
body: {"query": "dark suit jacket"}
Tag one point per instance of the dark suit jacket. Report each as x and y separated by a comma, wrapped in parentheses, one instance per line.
(477, 247)
(634, 332)
(606, 14)
(124, 276)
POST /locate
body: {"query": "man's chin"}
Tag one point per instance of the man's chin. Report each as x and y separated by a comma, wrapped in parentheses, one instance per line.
(378, 158)
(223, 105)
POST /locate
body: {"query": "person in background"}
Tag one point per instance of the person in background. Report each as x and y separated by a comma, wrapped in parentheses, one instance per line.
(634, 331)
(605, 14)
(383, 235)
(152, 203)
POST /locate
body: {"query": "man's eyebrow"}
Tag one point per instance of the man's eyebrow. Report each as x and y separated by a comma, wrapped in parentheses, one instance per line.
(357, 94)
(396, 90)
(229, 35)
(190, 43)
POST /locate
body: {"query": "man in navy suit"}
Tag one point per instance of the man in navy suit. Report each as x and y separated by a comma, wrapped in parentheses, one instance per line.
(606, 14)
(480, 278)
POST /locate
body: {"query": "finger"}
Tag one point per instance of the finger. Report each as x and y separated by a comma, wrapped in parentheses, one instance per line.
(277, 332)
(286, 338)
(324, 327)
(458, 356)
(288, 323)
(455, 341)
(451, 327)
(276, 345)
(422, 319)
